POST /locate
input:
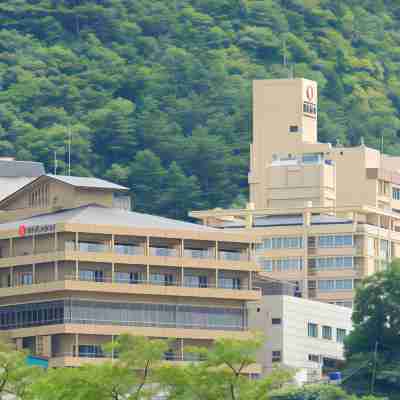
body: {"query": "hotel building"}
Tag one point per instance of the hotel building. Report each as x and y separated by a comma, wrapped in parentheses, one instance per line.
(327, 216)
(77, 269)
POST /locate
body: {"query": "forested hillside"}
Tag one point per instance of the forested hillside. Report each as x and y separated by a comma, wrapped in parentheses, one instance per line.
(157, 93)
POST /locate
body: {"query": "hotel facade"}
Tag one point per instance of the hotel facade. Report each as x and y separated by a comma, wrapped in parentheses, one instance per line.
(325, 216)
(77, 269)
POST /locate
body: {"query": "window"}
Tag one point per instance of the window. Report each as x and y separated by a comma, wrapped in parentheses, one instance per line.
(199, 281)
(293, 128)
(88, 275)
(396, 193)
(91, 351)
(276, 321)
(281, 264)
(162, 279)
(79, 311)
(311, 158)
(326, 285)
(327, 332)
(312, 330)
(313, 358)
(340, 335)
(311, 242)
(335, 241)
(295, 242)
(276, 356)
(331, 263)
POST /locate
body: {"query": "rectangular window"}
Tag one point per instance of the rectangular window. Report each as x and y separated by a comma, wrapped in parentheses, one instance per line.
(276, 321)
(295, 242)
(396, 193)
(326, 285)
(340, 335)
(313, 358)
(327, 332)
(276, 356)
(312, 330)
(312, 158)
(281, 264)
(293, 128)
(331, 263)
(311, 242)
(328, 241)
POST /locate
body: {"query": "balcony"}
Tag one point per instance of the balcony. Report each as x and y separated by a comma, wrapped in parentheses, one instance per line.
(232, 256)
(226, 289)
(163, 252)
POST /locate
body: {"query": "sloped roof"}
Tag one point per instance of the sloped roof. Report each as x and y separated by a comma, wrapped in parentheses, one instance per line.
(10, 185)
(14, 169)
(87, 182)
(94, 214)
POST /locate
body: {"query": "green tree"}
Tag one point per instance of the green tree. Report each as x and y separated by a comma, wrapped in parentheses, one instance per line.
(16, 376)
(314, 392)
(373, 347)
(220, 373)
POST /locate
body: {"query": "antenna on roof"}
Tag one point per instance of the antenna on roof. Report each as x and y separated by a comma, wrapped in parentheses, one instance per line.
(69, 149)
(55, 162)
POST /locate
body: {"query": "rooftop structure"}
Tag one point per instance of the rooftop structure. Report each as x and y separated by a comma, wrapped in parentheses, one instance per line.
(77, 270)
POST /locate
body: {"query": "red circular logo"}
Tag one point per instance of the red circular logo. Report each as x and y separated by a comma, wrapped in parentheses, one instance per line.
(22, 230)
(310, 93)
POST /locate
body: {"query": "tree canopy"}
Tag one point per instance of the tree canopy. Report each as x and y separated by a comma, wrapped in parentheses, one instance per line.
(157, 94)
(373, 347)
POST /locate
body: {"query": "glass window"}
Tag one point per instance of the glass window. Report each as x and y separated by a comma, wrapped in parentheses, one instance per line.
(340, 335)
(313, 358)
(276, 356)
(276, 321)
(335, 241)
(311, 158)
(327, 332)
(396, 193)
(331, 263)
(312, 330)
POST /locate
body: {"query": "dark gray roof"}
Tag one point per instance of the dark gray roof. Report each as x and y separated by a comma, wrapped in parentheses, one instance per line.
(14, 169)
(288, 220)
(98, 215)
(87, 182)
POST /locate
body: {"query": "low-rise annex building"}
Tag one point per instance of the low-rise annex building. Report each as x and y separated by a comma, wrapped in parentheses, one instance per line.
(327, 216)
(301, 334)
(77, 269)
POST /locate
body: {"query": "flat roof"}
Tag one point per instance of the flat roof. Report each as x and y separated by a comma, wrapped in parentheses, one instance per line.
(286, 220)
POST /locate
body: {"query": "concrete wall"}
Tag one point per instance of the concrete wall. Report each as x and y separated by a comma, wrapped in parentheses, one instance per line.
(291, 336)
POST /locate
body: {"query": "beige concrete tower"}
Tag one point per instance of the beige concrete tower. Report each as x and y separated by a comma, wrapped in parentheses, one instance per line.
(284, 130)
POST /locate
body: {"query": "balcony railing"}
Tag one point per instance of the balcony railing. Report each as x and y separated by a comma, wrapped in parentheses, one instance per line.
(138, 250)
(198, 253)
(232, 256)
(129, 250)
(168, 356)
(163, 252)
(223, 283)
